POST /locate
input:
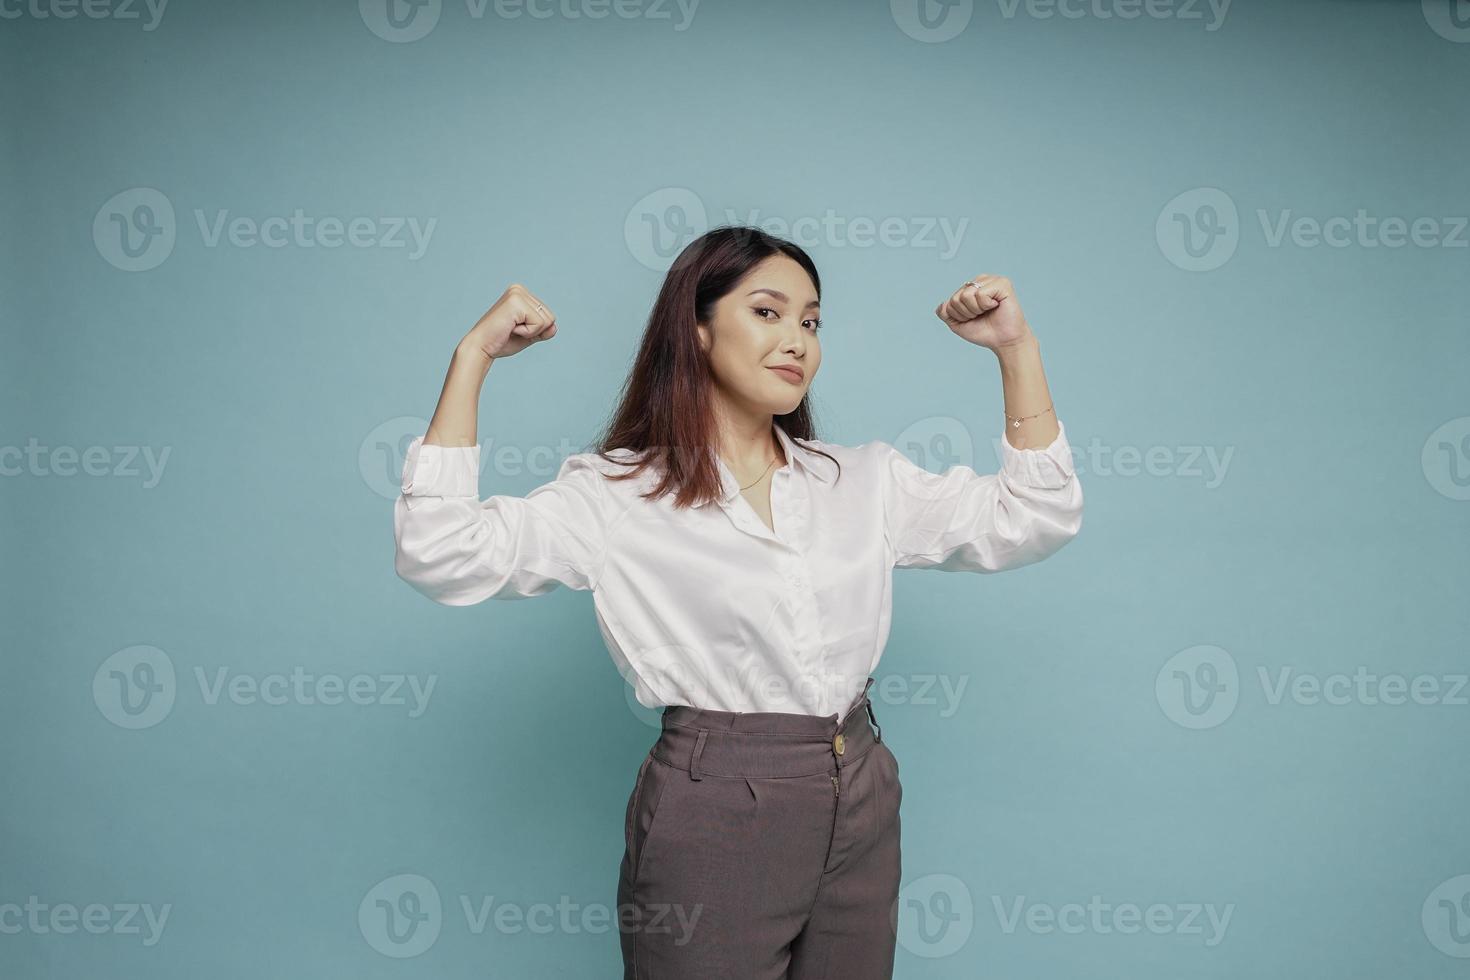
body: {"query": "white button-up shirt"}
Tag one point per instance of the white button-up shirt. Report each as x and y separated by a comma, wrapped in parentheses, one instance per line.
(708, 606)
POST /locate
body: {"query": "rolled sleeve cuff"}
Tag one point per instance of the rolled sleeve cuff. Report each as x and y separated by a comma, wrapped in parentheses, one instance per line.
(441, 471)
(1048, 468)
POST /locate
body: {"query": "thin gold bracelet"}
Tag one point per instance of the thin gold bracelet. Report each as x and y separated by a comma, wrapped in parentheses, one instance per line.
(1016, 422)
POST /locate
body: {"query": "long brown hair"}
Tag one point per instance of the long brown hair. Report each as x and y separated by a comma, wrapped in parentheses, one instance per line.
(666, 404)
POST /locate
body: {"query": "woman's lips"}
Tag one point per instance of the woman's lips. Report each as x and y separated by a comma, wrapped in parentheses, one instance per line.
(790, 374)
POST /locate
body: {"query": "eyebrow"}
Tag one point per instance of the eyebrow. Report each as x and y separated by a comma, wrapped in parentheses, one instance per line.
(780, 295)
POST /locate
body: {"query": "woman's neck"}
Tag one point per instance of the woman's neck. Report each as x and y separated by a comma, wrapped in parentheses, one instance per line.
(748, 445)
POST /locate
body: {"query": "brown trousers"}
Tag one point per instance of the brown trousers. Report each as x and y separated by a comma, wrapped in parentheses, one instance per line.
(762, 846)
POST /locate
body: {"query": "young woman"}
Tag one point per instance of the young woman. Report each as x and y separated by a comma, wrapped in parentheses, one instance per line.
(741, 577)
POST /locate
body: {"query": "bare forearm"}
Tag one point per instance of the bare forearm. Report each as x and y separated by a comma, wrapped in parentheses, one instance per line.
(455, 421)
(517, 320)
(1024, 383)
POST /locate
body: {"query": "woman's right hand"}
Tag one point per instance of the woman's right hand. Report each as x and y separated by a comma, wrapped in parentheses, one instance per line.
(516, 321)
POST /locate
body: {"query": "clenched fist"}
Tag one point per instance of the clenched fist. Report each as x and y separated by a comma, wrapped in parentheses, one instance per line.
(985, 311)
(516, 321)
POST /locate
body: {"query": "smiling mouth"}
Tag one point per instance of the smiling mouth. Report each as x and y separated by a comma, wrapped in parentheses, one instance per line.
(790, 373)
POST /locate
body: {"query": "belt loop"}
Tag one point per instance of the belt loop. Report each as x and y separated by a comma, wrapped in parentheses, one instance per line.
(694, 772)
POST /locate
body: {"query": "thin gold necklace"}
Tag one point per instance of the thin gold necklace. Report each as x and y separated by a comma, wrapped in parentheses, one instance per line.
(762, 476)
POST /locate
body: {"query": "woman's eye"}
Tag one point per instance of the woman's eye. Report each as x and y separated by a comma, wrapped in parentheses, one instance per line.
(814, 324)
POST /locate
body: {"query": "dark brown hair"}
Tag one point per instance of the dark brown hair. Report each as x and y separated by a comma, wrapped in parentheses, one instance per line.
(665, 404)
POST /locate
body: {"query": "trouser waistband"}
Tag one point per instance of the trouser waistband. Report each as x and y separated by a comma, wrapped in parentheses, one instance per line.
(706, 742)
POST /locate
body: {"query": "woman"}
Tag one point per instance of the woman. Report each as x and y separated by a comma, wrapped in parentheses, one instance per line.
(741, 578)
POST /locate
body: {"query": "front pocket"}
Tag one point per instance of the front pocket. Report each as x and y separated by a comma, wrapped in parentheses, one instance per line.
(633, 800)
(653, 788)
(895, 783)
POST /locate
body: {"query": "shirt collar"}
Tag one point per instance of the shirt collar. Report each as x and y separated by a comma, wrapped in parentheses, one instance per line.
(808, 460)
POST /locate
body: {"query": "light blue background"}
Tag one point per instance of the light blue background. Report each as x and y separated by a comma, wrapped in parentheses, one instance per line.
(274, 377)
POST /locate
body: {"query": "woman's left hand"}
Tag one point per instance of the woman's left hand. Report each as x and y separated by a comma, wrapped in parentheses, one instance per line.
(988, 314)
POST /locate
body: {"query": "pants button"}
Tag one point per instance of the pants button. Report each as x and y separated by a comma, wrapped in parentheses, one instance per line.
(839, 743)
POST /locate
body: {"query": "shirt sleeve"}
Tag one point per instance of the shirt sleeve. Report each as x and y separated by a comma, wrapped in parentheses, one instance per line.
(964, 521)
(458, 549)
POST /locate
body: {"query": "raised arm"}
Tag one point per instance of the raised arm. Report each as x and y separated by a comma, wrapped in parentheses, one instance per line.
(458, 549)
(964, 521)
(961, 520)
(516, 321)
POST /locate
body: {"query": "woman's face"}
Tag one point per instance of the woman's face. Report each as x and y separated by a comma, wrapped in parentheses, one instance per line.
(769, 320)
